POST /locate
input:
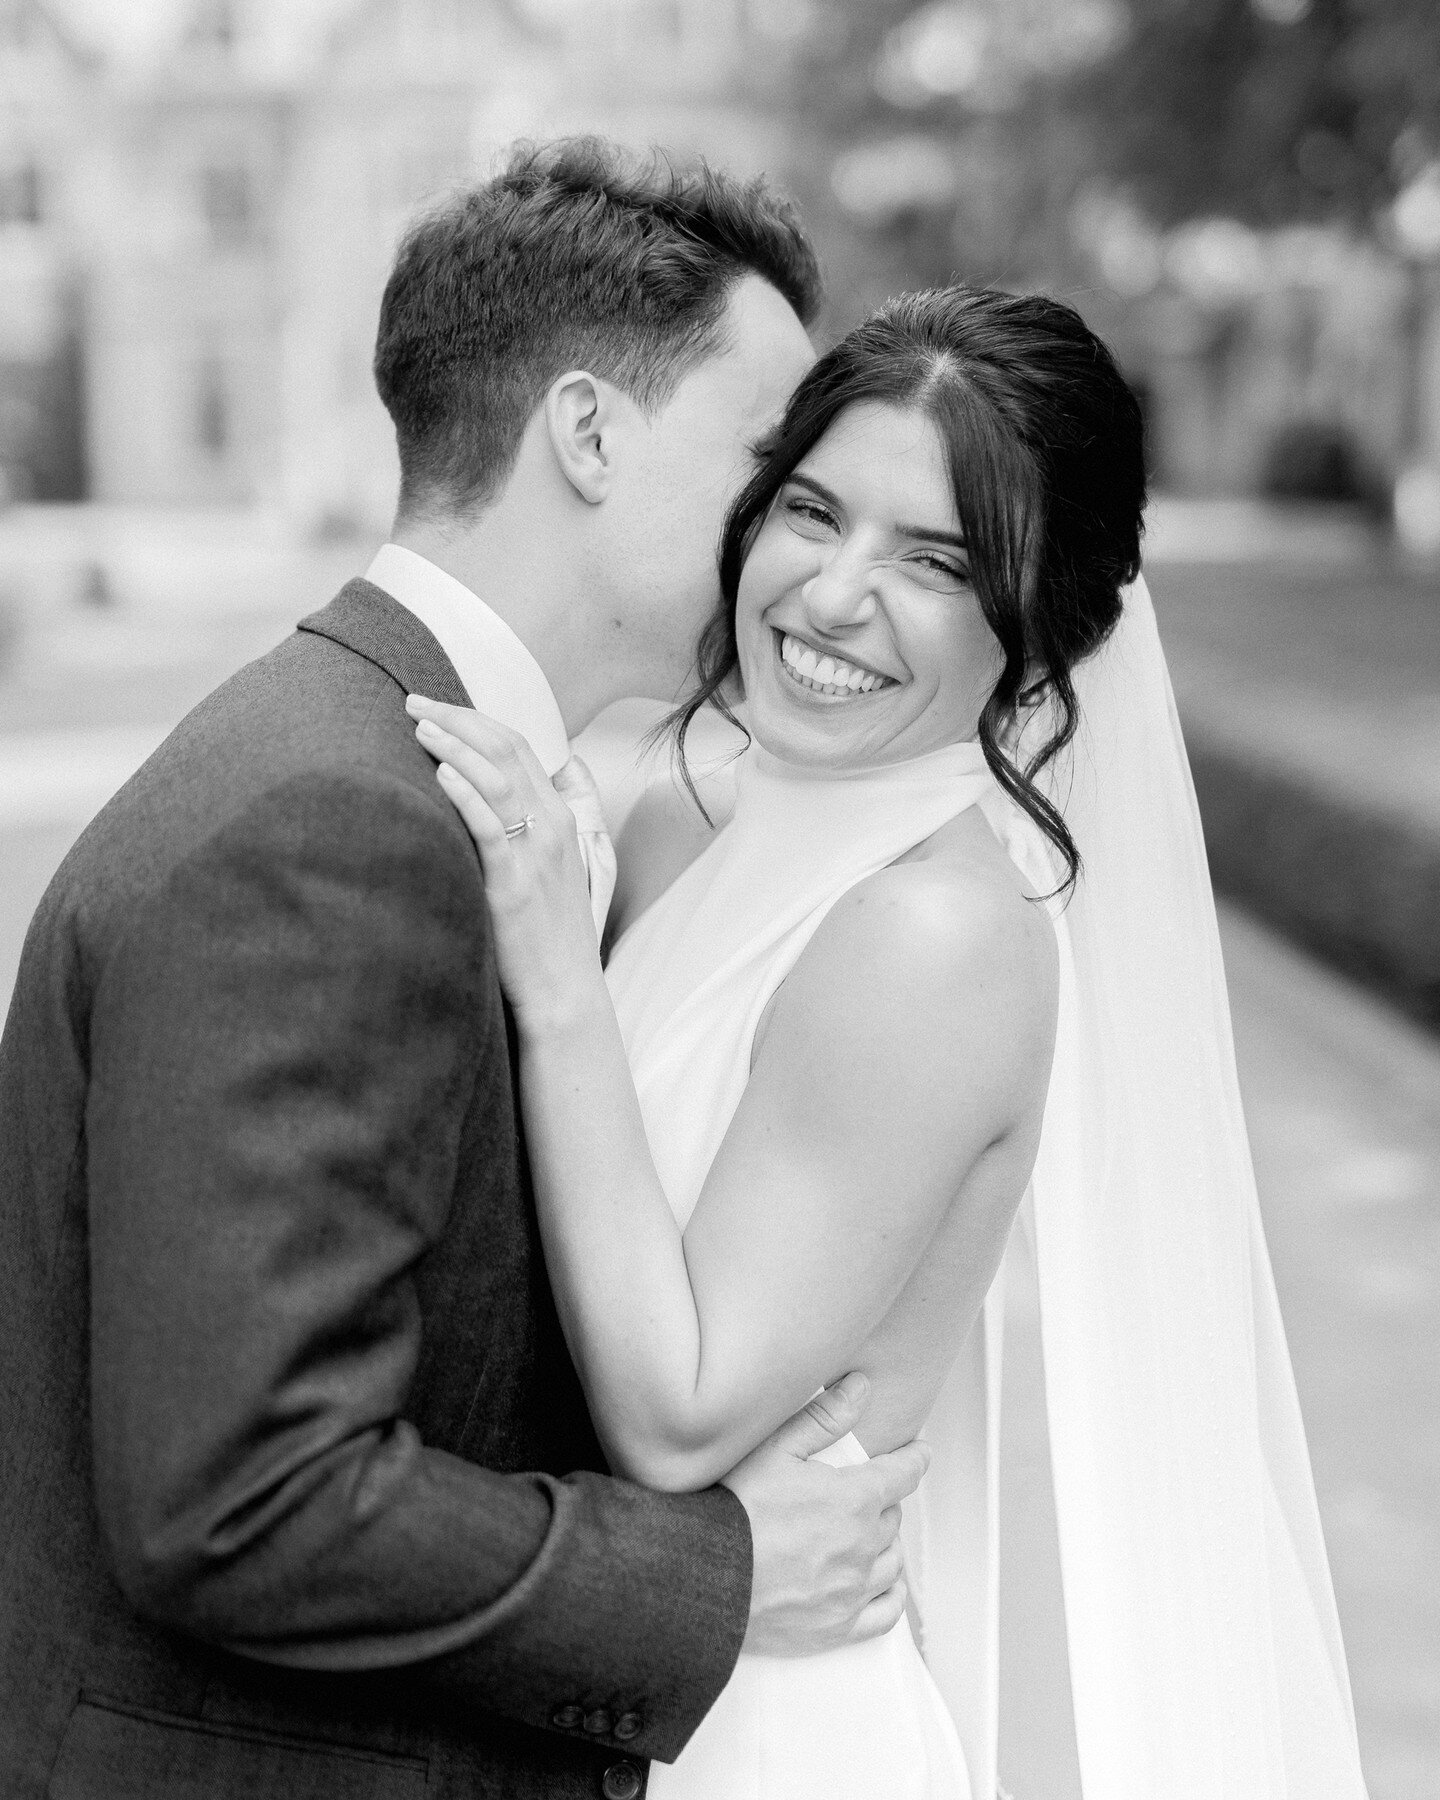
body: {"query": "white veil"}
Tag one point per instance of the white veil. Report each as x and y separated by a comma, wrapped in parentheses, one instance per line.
(1205, 1653)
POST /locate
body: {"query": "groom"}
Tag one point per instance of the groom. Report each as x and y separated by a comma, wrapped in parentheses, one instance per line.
(298, 1494)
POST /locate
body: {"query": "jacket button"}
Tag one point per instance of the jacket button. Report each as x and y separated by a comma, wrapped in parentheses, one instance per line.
(567, 1718)
(627, 1726)
(622, 1781)
(598, 1723)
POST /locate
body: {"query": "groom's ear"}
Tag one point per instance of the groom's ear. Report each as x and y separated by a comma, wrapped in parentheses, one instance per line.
(579, 417)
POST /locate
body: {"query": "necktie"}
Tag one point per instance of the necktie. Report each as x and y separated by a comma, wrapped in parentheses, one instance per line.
(576, 787)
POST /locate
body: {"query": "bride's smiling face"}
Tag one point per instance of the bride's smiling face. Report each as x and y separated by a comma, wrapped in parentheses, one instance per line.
(859, 634)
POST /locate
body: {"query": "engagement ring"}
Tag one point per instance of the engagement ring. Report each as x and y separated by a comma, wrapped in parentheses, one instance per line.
(520, 827)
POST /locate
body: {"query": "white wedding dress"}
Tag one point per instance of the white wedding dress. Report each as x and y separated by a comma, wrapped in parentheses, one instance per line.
(690, 980)
(1203, 1645)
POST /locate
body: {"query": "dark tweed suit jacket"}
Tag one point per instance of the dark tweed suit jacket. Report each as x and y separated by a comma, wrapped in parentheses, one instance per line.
(293, 1489)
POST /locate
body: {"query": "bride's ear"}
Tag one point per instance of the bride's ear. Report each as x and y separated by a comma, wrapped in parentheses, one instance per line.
(579, 419)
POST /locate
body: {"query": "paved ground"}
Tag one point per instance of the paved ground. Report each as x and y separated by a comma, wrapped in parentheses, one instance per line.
(1344, 1106)
(1343, 1097)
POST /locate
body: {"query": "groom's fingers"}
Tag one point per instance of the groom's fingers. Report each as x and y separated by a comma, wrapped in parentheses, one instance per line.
(889, 1568)
(898, 1473)
(881, 1615)
(825, 1420)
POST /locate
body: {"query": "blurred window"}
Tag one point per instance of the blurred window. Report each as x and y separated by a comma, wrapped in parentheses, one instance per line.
(212, 407)
(19, 194)
(226, 199)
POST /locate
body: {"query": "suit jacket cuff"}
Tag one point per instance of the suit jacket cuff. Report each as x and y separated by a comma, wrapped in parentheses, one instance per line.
(627, 1625)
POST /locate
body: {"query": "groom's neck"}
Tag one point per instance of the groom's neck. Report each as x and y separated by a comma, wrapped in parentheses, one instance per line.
(525, 573)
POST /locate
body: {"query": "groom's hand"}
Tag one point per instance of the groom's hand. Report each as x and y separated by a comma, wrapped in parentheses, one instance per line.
(828, 1568)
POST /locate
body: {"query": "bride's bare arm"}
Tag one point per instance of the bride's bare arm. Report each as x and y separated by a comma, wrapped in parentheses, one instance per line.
(892, 1063)
(905, 1046)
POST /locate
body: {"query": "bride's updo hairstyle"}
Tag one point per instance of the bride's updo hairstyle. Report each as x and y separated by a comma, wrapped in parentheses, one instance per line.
(1044, 445)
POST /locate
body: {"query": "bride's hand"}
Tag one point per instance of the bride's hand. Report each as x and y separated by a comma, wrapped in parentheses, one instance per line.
(534, 874)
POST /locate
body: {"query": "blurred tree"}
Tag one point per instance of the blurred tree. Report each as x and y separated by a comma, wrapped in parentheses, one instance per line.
(945, 137)
(936, 138)
(1269, 110)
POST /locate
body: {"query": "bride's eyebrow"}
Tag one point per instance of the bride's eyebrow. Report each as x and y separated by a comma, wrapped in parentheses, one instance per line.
(818, 488)
(930, 534)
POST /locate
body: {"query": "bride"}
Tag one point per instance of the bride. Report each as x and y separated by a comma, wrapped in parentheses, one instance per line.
(956, 942)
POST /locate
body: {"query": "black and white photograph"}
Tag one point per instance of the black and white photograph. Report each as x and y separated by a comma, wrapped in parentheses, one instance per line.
(719, 899)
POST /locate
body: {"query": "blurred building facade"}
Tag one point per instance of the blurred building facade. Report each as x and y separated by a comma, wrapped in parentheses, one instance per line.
(193, 246)
(49, 92)
(199, 247)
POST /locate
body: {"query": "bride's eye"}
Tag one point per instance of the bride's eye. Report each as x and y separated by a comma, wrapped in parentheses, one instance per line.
(943, 567)
(809, 513)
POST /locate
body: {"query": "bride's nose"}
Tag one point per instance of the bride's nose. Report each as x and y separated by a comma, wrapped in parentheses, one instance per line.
(842, 591)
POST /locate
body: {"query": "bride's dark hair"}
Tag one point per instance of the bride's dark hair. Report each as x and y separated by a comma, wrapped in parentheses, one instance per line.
(1044, 445)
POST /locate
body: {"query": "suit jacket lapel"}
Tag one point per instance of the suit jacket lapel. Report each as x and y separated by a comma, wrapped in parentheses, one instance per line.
(367, 620)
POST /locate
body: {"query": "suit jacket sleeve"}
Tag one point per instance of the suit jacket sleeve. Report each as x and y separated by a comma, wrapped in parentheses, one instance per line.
(283, 1044)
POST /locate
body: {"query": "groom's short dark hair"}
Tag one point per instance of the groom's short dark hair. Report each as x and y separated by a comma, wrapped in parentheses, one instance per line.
(576, 255)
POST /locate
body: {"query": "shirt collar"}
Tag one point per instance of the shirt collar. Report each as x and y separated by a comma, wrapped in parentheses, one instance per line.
(500, 675)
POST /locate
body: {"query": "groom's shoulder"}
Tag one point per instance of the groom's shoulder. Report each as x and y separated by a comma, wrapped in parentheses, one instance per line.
(308, 718)
(309, 709)
(308, 701)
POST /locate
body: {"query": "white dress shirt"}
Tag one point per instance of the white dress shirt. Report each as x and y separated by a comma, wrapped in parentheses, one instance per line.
(500, 675)
(504, 680)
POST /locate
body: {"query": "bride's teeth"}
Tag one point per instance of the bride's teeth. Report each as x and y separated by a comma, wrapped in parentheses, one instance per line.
(828, 674)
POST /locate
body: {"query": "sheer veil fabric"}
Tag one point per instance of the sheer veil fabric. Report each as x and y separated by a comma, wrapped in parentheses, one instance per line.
(1204, 1646)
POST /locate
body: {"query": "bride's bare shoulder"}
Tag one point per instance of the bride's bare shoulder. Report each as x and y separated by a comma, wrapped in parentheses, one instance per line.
(959, 905)
(948, 937)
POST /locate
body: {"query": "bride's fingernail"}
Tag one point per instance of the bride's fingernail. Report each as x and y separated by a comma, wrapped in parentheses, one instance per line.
(447, 774)
(427, 728)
